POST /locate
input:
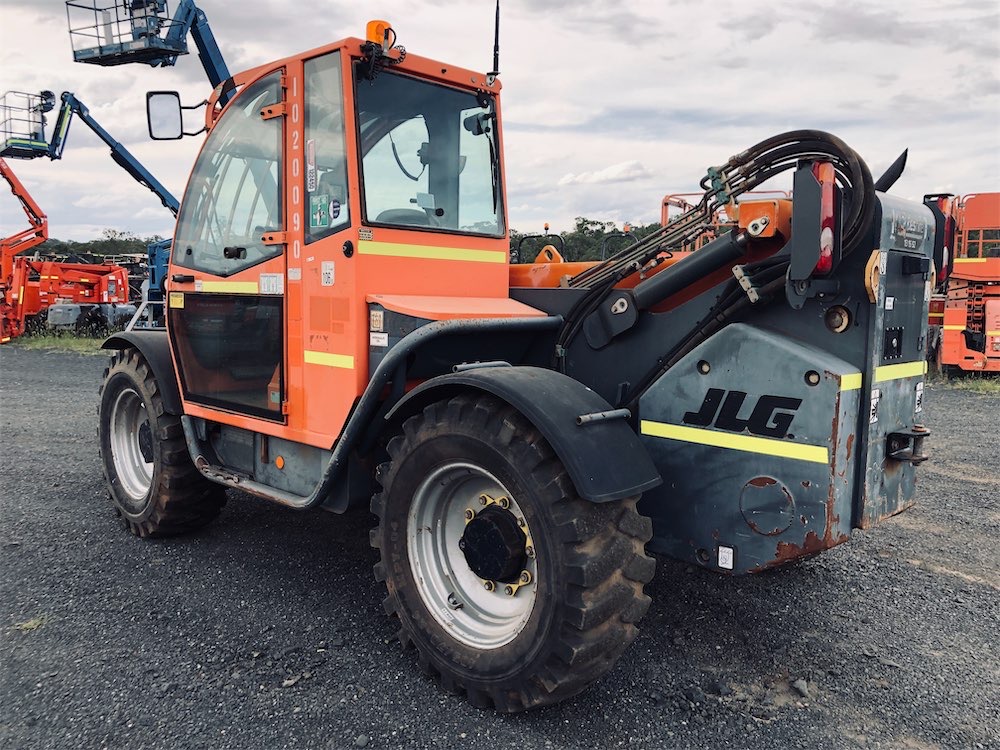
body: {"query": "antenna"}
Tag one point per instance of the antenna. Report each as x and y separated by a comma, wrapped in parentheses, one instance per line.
(492, 75)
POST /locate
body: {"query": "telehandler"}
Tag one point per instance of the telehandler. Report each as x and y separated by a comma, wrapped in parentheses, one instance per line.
(344, 327)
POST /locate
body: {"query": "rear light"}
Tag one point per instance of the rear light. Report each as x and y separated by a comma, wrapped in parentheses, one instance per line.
(824, 174)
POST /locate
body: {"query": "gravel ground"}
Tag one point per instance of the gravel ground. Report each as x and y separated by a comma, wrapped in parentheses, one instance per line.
(266, 630)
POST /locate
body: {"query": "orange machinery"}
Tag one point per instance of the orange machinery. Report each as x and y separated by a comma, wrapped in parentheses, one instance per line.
(964, 321)
(29, 286)
(723, 219)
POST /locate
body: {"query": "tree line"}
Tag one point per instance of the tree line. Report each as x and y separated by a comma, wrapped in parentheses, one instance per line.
(589, 239)
(111, 242)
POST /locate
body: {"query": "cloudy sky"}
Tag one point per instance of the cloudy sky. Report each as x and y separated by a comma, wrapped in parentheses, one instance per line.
(607, 105)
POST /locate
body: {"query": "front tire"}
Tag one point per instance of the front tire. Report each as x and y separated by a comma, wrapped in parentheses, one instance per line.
(154, 486)
(514, 590)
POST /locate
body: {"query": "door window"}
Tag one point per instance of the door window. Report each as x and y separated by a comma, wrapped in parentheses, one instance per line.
(326, 151)
(234, 194)
(229, 348)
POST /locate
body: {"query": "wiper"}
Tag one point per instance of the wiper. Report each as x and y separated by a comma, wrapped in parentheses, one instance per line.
(494, 172)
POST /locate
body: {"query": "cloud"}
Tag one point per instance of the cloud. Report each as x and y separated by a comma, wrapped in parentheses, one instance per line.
(626, 171)
(658, 91)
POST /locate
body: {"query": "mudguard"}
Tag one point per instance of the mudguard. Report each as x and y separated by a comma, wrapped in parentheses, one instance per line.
(155, 349)
(605, 458)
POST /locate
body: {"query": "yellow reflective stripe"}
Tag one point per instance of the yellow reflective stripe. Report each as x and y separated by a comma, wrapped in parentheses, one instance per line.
(233, 287)
(344, 361)
(397, 250)
(902, 370)
(850, 382)
(969, 260)
(767, 446)
(24, 142)
(993, 333)
(954, 328)
(935, 315)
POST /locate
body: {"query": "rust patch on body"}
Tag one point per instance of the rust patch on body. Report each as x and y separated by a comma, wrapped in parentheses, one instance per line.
(811, 545)
(763, 482)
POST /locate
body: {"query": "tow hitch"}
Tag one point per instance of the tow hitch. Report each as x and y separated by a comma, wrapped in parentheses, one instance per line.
(907, 445)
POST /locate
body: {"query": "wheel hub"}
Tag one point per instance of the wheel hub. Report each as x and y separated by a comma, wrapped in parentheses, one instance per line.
(481, 612)
(494, 545)
(146, 442)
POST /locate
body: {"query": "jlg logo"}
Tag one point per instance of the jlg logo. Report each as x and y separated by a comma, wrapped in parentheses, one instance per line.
(766, 419)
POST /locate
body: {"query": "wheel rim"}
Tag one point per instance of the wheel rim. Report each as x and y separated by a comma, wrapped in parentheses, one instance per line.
(131, 444)
(454, 595)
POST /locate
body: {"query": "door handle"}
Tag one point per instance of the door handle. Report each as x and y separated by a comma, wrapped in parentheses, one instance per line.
(182, 278)
(234, 253)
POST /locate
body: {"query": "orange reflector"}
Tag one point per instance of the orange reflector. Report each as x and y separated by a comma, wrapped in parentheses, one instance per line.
(376, 31)
(825, 175)
(279, 461)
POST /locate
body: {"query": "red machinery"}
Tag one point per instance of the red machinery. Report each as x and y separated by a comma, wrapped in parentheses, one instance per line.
(29, 286)
(964, 330)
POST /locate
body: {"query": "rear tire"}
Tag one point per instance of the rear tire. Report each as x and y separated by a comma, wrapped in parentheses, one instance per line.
(154, 486)
(586, 562)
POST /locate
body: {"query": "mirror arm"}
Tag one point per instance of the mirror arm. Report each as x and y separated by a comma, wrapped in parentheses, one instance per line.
(199, 105)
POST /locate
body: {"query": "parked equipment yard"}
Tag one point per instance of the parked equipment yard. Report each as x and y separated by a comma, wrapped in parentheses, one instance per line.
(266, 628)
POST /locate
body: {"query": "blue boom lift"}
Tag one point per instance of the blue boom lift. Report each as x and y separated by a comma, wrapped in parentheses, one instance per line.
(143, 31)
(23, 137)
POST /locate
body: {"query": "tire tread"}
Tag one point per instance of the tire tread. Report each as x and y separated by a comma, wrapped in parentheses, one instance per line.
(182, 499)
(605, 545)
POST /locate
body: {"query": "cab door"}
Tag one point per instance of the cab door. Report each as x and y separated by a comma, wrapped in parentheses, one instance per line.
(226, 306)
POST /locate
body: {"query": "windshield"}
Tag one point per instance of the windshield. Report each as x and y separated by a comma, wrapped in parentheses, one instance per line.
(429, 156)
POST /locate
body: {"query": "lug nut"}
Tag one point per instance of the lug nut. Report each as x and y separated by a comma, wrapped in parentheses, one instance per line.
(504, 502)
(529, 551)
(520, 522)
(509, 590)
(525, 577)
(469, 514)
(489, 585)
(483, 499)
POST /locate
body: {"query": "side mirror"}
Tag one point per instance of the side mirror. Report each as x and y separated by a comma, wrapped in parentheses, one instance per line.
(163, 115)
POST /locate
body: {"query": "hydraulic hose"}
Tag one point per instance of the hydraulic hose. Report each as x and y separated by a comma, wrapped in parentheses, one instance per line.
(742, 173)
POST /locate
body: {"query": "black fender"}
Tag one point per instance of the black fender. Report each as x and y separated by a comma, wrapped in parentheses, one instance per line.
(155, 349)
(604, 458)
